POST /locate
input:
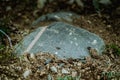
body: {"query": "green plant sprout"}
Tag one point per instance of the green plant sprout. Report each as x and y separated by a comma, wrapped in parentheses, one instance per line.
(115, 48)
(69, 78)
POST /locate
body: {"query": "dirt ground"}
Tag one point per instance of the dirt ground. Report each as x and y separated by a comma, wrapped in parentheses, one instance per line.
(16, 18)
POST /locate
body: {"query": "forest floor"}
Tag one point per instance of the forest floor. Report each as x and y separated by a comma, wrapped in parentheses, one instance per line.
(15, 20)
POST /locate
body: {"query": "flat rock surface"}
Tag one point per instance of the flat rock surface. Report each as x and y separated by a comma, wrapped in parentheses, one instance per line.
(62, 39)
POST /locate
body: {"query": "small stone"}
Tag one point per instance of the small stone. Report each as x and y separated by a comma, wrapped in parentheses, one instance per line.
(53, 69)
(27, 73)
(50, 77)
(79, 64)
(40, 68)
(8, 8)
(64, 71)
(98, 77)
(109, 26)
(7, 67)
(26, 57)
(48, 66)
(6, 78)
(18, 68)
(101, 31)
(89, 21)
(48, 61)
(93, 52)
(61, 64)
(105, 2)
(74, 74)
(32, 56)
(19, 79)
(42, 73)
(83, 70)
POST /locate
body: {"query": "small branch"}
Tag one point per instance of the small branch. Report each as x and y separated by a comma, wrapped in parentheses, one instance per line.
(9, 39)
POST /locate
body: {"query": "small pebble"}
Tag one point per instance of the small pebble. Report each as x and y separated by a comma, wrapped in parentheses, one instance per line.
(61, 65)
(42, 73)
(48, 61)
(26, 73)
(64, 71)
(8, 8)
(74, 74)
(50, 77)
(32, 56)
(79, 64)
(53, 69)
(18, 68)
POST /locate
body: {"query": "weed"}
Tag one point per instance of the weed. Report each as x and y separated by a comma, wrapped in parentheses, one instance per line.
(111, 75)
(69, 78)
(115, 48)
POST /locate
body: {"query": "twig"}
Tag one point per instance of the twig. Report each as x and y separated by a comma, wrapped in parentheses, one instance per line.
(9, 39)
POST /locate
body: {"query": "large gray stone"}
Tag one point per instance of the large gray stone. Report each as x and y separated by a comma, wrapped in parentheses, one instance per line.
(57, 16)
(62, 39)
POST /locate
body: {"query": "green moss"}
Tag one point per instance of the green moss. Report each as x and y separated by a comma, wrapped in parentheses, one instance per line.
(115, 48)
(111, 75)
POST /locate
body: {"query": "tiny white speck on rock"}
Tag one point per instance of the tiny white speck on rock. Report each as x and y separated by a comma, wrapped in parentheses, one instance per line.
(75, 38)
(94, 42)
(76, 44)
(56, 52)
(71, 42)
(57, 17)
(70, 33)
